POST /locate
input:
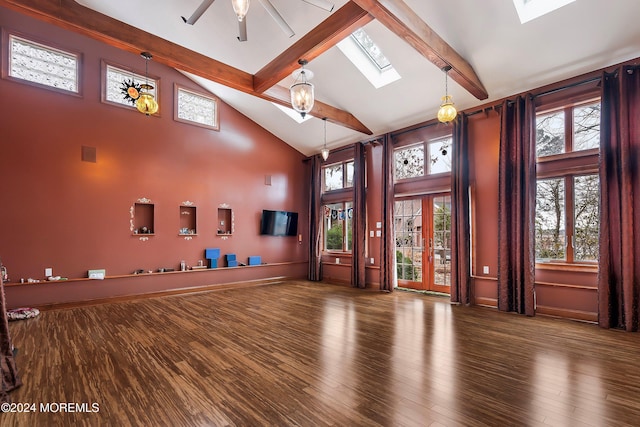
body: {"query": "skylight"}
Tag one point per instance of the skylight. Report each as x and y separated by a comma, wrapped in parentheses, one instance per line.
(368, 58)
(532, 9)
(293, 114)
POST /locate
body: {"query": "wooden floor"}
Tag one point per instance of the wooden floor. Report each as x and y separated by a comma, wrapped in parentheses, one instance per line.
(309, 354)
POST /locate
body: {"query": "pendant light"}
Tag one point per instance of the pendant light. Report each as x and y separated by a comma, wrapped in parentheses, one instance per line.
(325, 150)
(146, 103)
(301, 90)
(447, 111)
(240, 7)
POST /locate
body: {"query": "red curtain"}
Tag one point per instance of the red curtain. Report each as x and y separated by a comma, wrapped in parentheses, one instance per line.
(619, 270)
(10, 378)
(516, 207)
(315, 219)
(387, 244)
(460, 228)
(359, 224)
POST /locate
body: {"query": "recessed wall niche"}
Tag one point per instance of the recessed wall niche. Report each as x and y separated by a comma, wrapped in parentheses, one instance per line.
(225, 221)
(142, 218)
(188, 220)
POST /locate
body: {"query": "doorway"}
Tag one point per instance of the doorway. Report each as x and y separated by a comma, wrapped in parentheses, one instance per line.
(422, 227)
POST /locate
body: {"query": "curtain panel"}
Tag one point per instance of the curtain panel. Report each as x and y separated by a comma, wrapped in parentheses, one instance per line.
(315, 220)
(387, 244)
(460, 217)
(516, 206)
(10, 377)
(359, 223)
(619, 263)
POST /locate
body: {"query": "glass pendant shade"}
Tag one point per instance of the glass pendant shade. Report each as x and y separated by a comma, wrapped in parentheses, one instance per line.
(240, 7)
(302, 97)
(325, 153)
(146, 104)
(447, 111)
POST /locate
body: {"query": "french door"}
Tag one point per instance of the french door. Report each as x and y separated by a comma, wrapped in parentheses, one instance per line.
(423, 242)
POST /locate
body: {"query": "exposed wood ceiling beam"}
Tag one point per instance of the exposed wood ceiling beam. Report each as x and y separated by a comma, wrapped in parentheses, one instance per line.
(330, 32)
(406, 24)
(77, 18)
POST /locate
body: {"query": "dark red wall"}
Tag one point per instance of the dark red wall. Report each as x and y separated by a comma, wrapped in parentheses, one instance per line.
(61, 212)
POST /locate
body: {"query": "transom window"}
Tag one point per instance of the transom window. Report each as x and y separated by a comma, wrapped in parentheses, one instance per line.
(337, 176)
(557, 135)
(568, 186)
(424, 158)
(43, 65)
(115, 77)
(337, 228)
(196, 108)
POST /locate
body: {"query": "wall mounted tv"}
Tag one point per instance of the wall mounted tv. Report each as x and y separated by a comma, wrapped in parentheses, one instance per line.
(279, 223)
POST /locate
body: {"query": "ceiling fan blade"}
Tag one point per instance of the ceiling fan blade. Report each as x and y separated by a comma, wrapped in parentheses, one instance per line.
(198, 13)
(322, 4)
(242, 30)
(277, 17)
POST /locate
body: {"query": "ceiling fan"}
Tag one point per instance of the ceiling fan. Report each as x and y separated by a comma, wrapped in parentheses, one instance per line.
(241, 8)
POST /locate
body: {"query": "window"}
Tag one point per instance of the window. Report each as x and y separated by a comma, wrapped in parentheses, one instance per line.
(338, 223)
(337, 176)
(532, 9)
(410, 161)
(43, 65)
(568, 187)
(196, 108)
(368, 58)
(114, 80)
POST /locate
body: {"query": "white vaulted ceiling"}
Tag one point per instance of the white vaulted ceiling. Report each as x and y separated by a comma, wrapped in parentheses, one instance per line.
(507, 56)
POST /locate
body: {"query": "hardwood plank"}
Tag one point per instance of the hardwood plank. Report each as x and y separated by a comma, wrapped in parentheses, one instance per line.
(303, 353)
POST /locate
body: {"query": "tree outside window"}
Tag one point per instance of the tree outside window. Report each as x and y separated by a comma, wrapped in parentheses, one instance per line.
(338, 226)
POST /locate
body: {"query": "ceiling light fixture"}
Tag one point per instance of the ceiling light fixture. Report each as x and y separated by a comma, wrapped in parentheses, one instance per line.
(325, 150)
(447, 111)
(146, 103)
(240, 7)
(301, 90)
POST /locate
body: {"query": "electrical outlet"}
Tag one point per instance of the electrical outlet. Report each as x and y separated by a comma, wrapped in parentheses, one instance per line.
(48, 272)
(485, 269)
(372, 233)
(337, 260)
(371, 260)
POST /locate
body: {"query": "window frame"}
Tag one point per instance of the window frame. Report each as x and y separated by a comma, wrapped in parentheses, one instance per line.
(7, 35)
(344, 165)
(153, 79)
(427, 166)
(177, 88)
(567, 166)
(347, 240)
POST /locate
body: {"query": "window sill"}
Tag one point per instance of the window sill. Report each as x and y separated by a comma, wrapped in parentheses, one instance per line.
(563, 266)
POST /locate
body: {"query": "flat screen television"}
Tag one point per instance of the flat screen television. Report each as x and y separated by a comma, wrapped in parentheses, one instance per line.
(279, 223)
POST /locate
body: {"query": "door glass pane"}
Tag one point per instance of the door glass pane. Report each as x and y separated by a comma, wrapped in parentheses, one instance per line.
(442, 240)
(550, 215)
(349, 221)
(586, 217)
(408, 234)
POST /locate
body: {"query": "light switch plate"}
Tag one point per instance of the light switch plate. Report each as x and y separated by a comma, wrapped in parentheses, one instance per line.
(485, 269)
(48, 272)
